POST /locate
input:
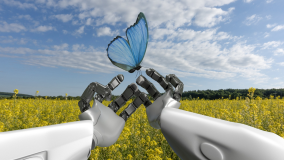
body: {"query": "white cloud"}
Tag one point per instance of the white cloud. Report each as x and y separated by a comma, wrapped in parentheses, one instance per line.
(252, 20)
(83, 15)
(19, 50)
(281, 63)
(51, 3)
(74, 22)
(171, 13)
(43, 29)
(40, 1)
(22, 41)
(61, 47)
(19, 4)
(77, 47)
(272, 44)
(7, 39)
(209, 17)
(90, 60)
(201, 56)
(12, 27)
(271, 25)
(269, 1)
(27, 17)
(266, 35)
(277, 28)
(80, 30)
(106, 31)
(64, 17)
(189, 34)
(64, 31)
(248, 1)
(279, 51)
(89, 21)
(206, 59)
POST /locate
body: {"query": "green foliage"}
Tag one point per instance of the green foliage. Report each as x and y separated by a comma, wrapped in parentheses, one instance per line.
(218, 94)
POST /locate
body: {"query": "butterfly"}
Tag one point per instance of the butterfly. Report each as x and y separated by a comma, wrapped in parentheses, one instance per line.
(128, 54)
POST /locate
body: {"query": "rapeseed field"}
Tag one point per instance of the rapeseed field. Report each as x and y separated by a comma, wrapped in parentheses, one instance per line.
(138, 139)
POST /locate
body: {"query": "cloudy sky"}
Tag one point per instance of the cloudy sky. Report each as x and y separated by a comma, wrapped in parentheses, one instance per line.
(59, 46)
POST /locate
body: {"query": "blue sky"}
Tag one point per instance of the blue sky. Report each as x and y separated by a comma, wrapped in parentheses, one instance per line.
(59, 47)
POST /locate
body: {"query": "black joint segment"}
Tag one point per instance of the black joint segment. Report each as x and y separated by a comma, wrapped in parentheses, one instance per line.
(83, 105)
(115, 81)
(145, 99)
(99, 97)
(113, 106)
(173, 80)
(137, 101)
(156, 76)
(143, 82)
(126, 95)
(120, 101)
(101, 89)
(130, 109)
(137, 93)
(129, 91)
(147, 103)
(149, 72)
(89, 92)
(156, 95)
(120, 77)
(177, 97)
(153, 91)
(123, 115)
(165, 84)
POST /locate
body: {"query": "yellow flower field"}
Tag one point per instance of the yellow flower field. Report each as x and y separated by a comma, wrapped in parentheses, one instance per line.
(138, 139)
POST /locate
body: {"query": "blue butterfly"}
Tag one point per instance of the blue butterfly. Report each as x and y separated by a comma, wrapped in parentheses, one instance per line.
(128, 54)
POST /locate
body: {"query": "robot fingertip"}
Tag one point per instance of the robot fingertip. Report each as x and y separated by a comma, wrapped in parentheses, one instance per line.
(120, 77)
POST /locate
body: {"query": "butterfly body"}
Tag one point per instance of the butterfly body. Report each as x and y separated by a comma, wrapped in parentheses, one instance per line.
(128, 54)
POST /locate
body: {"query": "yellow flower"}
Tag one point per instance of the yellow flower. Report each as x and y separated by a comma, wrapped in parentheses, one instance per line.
(129, 156)
(16, 91)
(37, 92)
(251, 90)
(66, 94)
(153, 143)
(148, 139)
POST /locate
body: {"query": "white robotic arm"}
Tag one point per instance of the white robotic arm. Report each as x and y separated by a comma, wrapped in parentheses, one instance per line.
(197, 137)
(67, 141)
(99, 126)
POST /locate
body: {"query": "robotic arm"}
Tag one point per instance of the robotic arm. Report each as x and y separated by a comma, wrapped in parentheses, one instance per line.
(99, 126)
(197, 137)
(107, 125)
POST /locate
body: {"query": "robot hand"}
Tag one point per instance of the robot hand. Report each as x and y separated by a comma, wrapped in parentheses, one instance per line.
(170, 99)
(108, 125)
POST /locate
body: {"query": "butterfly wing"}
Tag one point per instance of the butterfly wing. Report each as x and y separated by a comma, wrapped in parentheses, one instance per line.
(128, 54)
(120, 54)
(137, 36)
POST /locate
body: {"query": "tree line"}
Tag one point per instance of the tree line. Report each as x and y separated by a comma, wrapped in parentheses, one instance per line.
(189, 95)
(231, 93)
